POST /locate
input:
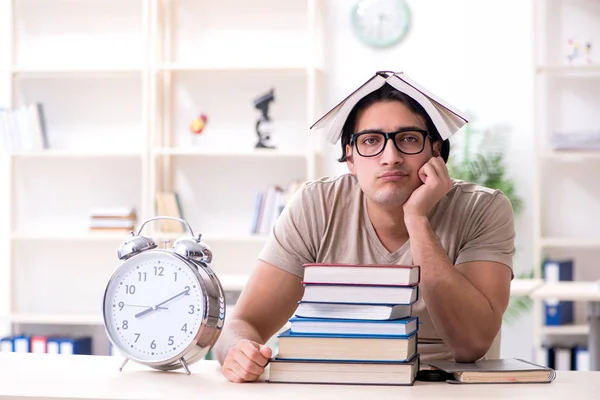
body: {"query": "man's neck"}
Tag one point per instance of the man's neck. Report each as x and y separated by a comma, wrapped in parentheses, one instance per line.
(388, 222)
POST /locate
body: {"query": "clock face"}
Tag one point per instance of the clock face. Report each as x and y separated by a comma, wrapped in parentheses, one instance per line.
(153, 307)
(381, 23)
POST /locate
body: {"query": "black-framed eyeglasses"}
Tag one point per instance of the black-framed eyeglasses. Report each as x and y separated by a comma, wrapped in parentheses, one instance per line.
(372, 143)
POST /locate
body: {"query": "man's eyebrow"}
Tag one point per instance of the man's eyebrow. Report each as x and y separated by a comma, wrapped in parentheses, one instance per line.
(397, 129)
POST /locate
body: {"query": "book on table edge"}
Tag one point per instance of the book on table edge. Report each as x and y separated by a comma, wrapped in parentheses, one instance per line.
(362, 274)
(351, 372)
(513, 370)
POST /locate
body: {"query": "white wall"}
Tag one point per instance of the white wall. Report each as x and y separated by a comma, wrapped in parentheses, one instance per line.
(475, 54)
(478, 55)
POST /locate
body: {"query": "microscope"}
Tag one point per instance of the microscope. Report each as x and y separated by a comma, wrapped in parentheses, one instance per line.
(263, 124)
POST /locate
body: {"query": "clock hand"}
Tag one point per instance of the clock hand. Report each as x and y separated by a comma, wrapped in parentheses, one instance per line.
(136, 305)
(153, 308)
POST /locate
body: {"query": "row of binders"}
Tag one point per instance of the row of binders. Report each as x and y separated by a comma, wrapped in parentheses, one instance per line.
(269, 204)
(354, 325)
(564, 358)
(44, 344)
(23, 129)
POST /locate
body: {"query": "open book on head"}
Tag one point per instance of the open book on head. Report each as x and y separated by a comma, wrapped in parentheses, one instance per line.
(447, 119)
(512, 370)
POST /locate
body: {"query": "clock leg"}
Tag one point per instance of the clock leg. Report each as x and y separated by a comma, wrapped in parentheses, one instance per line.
(122, 365)
(185, 366)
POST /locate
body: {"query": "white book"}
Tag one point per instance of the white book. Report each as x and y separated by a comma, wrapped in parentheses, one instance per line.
(353, 311)
(360, 294)
(447, 119)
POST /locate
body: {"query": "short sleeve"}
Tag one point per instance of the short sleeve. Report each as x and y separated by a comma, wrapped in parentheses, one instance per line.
(293, 241)
(491, 233)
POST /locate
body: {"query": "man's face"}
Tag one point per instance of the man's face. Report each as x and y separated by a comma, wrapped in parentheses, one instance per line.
(390, 177)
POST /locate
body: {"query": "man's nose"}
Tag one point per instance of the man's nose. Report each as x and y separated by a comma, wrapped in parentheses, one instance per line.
(390, 154)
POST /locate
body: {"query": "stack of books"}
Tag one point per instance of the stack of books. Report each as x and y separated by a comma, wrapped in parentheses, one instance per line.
(354, 325)
(114, 219)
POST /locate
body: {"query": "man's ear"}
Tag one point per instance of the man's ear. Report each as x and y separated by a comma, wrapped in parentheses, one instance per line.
(437, 148)
(350, 159)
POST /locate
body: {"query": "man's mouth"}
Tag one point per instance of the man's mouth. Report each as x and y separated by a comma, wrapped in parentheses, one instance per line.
(392, 176)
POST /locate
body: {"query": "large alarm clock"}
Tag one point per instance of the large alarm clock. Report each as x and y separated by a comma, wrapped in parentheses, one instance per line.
(164, 308)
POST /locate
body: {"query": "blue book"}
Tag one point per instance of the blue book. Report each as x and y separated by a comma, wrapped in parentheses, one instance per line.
(397, 327)
(21, 344)
(76, 345)
(6, 345)
(558, 312)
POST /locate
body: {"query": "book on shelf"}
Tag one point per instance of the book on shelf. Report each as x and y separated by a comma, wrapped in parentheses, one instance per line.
(308, 309)
(168, 204)
(47, 344)
(112, 219)
(361, 274)
(269, 204)
(402, 327)
(565, 358)
(349, 372)
(23, 128)
(334, 293)
(326, 346)
(495, 371)
(558, 312)
(446, 118)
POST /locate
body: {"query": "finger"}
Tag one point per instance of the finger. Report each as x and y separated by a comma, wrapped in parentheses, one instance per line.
(230, 375)
(250, 363)
(440, 167)
(252, 352)
(266, 351)
(242, 372)
(427, 171)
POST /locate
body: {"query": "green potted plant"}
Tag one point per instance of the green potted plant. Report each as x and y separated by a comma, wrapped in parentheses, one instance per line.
(478, 157)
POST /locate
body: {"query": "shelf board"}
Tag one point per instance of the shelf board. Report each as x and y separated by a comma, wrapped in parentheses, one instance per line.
(557, 242)
(565, 330)
(210, 238)
(233, 282)
(571, 155)
(75, 154)
(250, 67)
(71, 236)
(568, 290)
(252, 153)
(57, 70)
(56, 319)
(523, 287)
(568, 69)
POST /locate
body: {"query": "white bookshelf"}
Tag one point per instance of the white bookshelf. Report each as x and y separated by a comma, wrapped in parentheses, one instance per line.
(566, 189)
(120, 82)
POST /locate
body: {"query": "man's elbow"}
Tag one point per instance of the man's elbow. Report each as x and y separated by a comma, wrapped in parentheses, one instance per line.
(472, 351)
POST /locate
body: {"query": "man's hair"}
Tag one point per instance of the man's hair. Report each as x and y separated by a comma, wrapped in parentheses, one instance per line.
(385, 94)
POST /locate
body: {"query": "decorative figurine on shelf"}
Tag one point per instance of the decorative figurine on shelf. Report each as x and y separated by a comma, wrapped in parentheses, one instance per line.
(579, 53)
(263, 124)
(197, 125)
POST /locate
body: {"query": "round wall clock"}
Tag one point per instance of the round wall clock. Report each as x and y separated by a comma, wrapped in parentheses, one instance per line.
(380, 23)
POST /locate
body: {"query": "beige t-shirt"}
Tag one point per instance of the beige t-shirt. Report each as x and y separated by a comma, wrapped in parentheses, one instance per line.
(326, 221)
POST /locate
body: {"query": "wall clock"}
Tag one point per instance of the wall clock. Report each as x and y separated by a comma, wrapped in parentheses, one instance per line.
(380, 23)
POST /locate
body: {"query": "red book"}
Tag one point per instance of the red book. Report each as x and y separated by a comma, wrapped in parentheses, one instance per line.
(362, 274)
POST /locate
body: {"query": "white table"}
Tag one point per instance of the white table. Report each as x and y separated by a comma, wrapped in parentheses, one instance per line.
(578, 291)
(54, 376)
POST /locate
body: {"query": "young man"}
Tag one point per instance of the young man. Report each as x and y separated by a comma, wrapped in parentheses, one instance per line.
(398, 205)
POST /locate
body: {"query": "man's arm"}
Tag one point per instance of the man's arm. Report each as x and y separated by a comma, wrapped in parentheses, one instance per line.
(267, 302)
(466, 302)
